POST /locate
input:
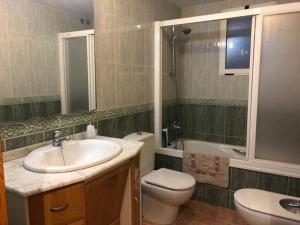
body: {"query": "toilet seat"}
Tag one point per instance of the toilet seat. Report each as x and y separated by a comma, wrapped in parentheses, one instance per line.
(170, 179)
(264, 202)
(154, 185)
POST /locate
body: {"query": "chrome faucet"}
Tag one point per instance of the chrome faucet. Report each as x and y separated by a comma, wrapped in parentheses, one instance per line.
(174, 125)
(57, 139)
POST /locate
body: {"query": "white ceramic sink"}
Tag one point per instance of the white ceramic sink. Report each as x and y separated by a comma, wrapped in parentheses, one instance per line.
(73, 155)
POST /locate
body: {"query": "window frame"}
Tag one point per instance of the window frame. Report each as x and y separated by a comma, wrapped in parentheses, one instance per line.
(223, 40)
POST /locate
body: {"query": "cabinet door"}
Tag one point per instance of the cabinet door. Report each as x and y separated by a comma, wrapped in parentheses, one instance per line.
(58, 207)
(81, 222)
(3, 211)
(104, 197)
(136, 190)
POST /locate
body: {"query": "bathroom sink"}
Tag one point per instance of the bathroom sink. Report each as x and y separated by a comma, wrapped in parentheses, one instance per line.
(71, 156)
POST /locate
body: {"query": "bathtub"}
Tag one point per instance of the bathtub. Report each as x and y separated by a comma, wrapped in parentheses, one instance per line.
(195, 146)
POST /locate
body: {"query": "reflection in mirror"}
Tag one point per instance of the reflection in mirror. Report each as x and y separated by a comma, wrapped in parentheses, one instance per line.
(203, 111)
(77, 71)
(30, 86)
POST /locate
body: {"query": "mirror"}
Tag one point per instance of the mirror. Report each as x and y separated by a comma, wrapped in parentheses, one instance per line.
(47, 52)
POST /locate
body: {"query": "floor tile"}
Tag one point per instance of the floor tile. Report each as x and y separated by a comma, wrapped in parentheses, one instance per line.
(199, 213)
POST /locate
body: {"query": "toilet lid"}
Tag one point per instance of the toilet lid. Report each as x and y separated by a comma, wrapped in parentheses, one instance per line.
(170, 179)
(264, 202)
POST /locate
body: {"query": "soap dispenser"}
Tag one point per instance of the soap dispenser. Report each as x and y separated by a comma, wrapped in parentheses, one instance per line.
(90, 131)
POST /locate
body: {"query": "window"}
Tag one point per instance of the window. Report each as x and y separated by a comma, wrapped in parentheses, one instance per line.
(238, 42)
(237, 35)
(236, 38)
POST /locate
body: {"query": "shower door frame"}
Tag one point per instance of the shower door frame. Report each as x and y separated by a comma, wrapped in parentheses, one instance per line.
(251, 162)
(62, 37)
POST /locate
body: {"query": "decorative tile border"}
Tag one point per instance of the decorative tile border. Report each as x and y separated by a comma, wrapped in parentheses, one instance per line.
(226, 102)
(171, 102)
(14, 101)
(34, 126)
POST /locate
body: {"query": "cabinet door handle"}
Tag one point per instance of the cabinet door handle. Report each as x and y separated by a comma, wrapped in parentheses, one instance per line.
(111, 181)
(60, 208)
(136, 200)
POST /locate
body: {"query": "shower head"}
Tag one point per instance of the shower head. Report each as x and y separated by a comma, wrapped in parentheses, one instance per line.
(187, 31)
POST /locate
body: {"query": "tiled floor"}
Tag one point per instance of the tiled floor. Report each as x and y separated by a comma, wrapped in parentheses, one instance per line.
(198, 213)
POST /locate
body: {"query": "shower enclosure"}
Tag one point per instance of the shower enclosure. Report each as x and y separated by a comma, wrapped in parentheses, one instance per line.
(226, 84)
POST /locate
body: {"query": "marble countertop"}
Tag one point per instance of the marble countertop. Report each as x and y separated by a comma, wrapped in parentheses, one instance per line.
(25, 183)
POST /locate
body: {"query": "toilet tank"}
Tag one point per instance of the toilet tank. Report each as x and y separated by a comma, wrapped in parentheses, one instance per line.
(147, 153)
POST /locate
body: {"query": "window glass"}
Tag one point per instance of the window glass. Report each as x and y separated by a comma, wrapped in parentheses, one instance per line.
(238, 43)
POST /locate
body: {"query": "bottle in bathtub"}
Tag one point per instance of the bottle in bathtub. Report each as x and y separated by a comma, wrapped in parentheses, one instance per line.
(165, 137)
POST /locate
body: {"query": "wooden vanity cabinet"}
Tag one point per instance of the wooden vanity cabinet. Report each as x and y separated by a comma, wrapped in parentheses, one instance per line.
(104, 197)
(96, 202)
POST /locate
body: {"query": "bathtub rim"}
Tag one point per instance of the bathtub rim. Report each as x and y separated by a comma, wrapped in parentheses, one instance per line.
(214, 144)
(246, 164)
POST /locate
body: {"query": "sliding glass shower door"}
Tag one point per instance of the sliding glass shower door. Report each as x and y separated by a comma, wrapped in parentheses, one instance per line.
(278, 106)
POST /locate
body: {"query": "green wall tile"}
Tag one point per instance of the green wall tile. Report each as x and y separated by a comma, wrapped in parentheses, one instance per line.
(138, 122)
(80, 128)
(173, 163)
(164, 116)
(39, 109)
(15, 143)
(294, 187)
(240, 178)
(6, 113)
(54, 108)
(149, 121)
(235, 141)
(231, 201)
(108, 127)
(200, 193)
(159, 161)
(22, 112)
(124, 126)
(197, 118)
(273, 183)
(214, 138)
(197, 136)
(236, 121)
(183, 112)
(34, 139)
(172, 114)
(218, 196)
(215, 122)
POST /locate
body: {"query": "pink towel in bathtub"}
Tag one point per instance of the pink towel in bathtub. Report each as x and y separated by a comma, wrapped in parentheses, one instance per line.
(206, 168)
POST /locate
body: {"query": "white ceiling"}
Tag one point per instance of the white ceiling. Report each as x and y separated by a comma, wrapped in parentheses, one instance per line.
(186, 3)
(81, 8)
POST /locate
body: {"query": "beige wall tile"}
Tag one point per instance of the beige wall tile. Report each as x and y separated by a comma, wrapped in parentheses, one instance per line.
(128, 47)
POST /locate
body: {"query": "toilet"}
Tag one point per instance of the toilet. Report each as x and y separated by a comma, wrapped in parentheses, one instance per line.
(258, 207)
(163, 190)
